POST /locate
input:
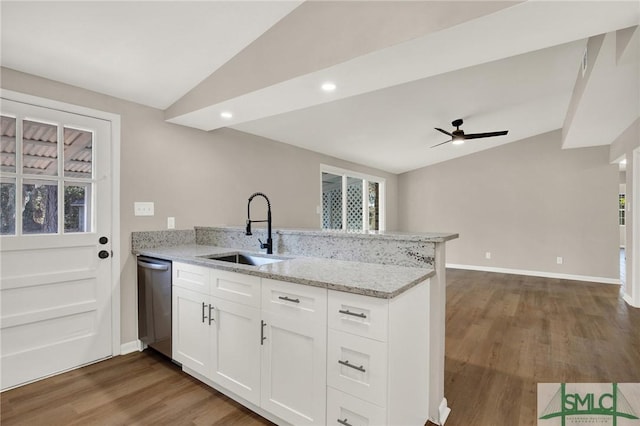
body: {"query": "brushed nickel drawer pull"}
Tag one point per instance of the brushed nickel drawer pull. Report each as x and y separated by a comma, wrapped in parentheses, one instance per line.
(211, 308)
(355, 314)
(344, 422)
(347, 364)
(288, 299)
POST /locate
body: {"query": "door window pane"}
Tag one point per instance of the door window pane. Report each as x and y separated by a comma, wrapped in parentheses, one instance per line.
(331, 201)
(78, 153)
(8, 207)
(39, 148)
(354, 203)
(8, 144)
(77, 208)
(40, 214)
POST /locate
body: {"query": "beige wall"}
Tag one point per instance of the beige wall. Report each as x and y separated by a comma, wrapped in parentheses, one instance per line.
(200, 178)
(526, 202)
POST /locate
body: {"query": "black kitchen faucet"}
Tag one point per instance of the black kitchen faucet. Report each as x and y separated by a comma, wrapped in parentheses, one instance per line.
(269, 244)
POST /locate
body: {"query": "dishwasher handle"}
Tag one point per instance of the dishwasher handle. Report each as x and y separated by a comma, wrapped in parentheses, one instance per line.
(154, 266)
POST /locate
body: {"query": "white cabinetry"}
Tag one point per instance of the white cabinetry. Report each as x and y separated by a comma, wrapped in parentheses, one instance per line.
(378, 358)
(304, 355)
(191, 331)
(294, 352)
(215, 337)
(274, 357)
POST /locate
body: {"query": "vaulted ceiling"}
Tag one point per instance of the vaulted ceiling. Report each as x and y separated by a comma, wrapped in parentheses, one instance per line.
(400, 68)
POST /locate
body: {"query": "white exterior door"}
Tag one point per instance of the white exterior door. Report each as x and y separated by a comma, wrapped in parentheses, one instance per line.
(55, 243)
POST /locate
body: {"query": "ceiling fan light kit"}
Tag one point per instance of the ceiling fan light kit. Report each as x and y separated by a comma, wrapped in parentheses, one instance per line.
(458, 136)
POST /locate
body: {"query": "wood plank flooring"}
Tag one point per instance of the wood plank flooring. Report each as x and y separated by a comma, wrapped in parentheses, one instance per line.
(505, 333)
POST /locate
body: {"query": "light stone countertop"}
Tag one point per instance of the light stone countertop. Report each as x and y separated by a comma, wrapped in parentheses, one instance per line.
(382, 281)
(434, 237)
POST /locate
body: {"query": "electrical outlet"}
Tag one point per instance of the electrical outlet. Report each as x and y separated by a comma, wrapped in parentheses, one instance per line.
(171, 223)
(559, 260)
(487, 255)
(143, 208)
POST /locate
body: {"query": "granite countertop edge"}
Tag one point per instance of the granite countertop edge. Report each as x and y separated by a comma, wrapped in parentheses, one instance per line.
(436, 237)
(380, 281)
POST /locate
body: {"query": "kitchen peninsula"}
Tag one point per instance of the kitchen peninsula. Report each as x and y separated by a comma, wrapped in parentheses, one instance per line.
(349, 326)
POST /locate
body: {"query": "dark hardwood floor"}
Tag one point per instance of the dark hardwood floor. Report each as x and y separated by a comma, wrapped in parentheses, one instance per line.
(505, 333)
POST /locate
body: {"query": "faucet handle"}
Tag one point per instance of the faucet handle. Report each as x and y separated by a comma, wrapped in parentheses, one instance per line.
(262, 245)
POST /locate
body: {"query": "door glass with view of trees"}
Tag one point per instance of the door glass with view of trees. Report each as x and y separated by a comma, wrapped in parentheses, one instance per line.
(40, 172)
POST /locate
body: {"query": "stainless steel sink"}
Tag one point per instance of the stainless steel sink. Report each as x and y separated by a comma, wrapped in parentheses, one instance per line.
(244, 258)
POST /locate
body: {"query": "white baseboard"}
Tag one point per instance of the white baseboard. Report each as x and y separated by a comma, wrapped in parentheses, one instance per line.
(133, 346)
(444, 411)
(629, 301)
(543, 274)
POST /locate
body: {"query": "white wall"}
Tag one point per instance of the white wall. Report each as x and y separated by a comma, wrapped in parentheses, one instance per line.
(200, 178)
(526, 202)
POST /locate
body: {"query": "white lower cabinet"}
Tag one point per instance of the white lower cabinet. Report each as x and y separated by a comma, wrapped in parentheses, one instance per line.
(305, 355)
(347, 410)
(191, 332)
(294, 352)
(358, 366)
(274, 357)
(235, 351)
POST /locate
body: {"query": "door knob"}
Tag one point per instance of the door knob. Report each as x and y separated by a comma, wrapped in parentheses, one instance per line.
(103, 254)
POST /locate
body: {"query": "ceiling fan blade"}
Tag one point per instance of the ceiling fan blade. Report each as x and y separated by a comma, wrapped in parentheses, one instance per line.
(485, 135)
(444, 131)
(441, 143)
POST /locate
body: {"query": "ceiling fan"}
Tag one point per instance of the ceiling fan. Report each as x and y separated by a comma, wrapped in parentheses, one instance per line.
(458, 136)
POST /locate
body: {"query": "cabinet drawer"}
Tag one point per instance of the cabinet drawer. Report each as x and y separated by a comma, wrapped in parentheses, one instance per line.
(294, 300)
(239, 288)
(191, 277)
(346, 410)
(361, 315)
(358, 366)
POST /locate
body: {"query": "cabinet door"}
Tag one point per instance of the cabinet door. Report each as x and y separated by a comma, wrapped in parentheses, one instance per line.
(294, 358)
(236, 348)
(191, 332)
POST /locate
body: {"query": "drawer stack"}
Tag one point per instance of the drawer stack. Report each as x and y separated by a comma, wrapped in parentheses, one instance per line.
(357, 363)
(378, 358)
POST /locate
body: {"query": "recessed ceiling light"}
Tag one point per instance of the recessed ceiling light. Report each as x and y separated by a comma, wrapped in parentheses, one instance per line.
(328, 86)
(226, 115)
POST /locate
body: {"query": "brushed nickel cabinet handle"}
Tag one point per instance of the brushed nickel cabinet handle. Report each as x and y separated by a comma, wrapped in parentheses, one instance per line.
(288, 299)
(355, 367)
(344, 422)
(211, 308)
(204, 316)
(355, 314)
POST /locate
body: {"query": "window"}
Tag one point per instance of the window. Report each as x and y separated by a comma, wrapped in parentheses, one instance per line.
(621, 206)
(45, 186)
(351, 200)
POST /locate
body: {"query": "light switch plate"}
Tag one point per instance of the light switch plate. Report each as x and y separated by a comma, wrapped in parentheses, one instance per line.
(143, 208)
(171, 223)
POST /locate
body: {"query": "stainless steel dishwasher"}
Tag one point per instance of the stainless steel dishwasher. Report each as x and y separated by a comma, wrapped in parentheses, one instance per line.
(154, 303)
